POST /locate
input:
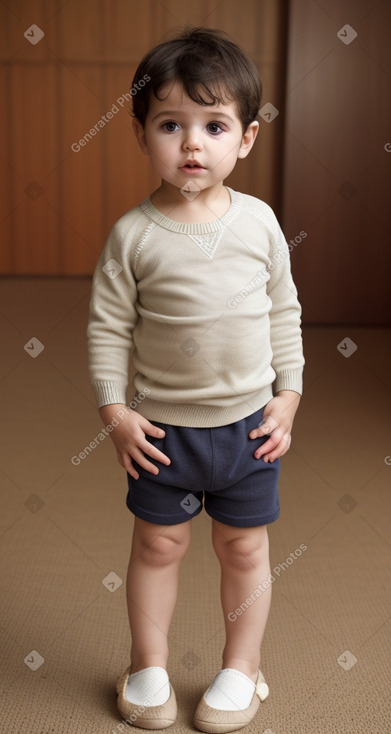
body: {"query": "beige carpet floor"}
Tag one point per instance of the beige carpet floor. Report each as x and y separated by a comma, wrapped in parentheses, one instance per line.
(65, 528)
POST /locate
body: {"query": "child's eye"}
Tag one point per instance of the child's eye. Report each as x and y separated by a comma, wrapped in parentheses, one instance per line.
(170, 127)
(214, 128)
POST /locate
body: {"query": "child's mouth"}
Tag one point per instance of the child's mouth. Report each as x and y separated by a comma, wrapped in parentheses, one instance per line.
(192, 168)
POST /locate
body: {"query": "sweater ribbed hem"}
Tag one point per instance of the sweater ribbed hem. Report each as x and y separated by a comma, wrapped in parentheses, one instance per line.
(194, 415)
(203, 416)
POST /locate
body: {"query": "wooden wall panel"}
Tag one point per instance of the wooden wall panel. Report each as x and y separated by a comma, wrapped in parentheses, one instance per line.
(175, 14)
(337, 167)
(16, 17)
(8, 213)
(56, 90)
(130, 29)
(80, 32)
(124, 162)
(81, 200)
(33, 136)
(265, 39)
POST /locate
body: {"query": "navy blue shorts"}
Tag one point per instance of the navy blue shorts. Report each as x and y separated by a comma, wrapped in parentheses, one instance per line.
(216, 465)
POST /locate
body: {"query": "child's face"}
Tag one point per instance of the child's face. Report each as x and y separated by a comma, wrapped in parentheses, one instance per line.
(178, 131)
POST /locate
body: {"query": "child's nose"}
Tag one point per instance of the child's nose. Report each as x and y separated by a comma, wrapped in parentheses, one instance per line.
(192, 140)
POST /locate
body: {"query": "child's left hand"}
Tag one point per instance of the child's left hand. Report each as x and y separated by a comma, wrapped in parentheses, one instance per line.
(277, 421)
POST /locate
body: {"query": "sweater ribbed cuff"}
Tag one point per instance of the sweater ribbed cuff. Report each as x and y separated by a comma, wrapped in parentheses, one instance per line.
(108, 392)
(289, 380)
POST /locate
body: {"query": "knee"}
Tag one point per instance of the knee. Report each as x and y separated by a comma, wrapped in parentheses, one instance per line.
(163, 551)
(243, 551)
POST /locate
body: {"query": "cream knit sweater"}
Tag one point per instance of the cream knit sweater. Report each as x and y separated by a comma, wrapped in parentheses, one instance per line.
(210, 309)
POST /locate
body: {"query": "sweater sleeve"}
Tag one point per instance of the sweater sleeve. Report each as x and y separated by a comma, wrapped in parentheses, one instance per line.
(285, 318)
(112, 318)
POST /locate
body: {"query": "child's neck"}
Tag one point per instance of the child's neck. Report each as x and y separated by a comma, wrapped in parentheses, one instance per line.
(207, 206)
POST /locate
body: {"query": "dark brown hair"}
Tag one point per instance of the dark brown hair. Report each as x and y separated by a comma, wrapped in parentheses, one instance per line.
(211, 68)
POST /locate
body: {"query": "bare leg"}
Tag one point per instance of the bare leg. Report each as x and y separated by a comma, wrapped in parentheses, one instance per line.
(152, 587)
(244, 558)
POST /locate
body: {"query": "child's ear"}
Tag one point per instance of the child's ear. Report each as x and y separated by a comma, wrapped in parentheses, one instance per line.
(248, 139)
(140, 135)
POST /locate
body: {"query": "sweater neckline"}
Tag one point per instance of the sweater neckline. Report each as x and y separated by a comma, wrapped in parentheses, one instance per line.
(202, 228)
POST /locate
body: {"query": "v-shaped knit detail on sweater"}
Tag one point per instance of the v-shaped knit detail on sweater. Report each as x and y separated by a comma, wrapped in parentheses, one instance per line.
(207, 242)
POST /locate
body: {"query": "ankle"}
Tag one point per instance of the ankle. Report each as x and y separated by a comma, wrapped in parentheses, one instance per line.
(139, 662)
(247, 667)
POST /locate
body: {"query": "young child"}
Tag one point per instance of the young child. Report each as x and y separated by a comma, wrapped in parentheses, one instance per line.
(197, 279)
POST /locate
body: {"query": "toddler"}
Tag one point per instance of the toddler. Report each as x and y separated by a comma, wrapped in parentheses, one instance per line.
(196, 279)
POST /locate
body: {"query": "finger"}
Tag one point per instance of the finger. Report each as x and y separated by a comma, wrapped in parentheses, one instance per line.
(148, 466)
(265, 427)
(133, 473)
(155, 431)
(126, 463)
(280, 450)
(155, 453)
(148, 448)
(138, 456)
(269, 424)
(151, 430)
(269, 445)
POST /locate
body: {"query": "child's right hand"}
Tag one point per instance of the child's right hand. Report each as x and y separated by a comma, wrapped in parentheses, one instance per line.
(129, 438)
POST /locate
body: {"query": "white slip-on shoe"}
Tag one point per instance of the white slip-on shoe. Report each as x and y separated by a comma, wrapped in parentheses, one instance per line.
(146, 717)
(217, 721)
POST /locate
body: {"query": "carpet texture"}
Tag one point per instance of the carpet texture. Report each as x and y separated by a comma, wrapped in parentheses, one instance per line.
(65, 537)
